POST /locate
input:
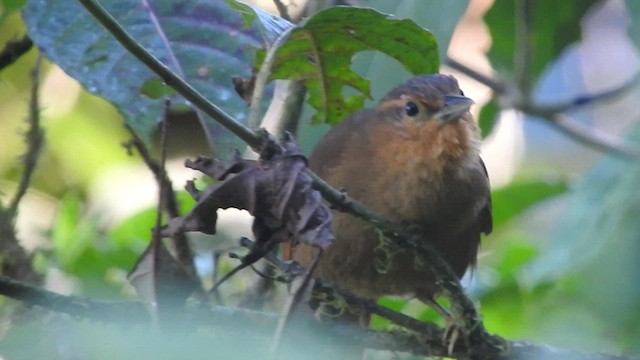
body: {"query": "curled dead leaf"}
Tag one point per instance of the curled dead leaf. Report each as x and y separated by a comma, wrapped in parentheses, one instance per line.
(277, 192)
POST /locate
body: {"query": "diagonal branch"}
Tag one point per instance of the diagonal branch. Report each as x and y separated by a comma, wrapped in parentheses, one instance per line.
(170, 202)
(510, 96)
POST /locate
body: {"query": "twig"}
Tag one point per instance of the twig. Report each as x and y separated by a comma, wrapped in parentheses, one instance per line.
(552, 114)
(295, 297)
(591, 137)
(295, 269)
(34, 139)
(588, 99)
(170, 203)
(14, 50)
(497, 86)
(263, 77)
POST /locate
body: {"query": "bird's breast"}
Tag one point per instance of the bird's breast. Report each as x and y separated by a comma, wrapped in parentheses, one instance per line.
(426, 167)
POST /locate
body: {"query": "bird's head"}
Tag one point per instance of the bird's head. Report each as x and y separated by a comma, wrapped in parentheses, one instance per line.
(429, 115)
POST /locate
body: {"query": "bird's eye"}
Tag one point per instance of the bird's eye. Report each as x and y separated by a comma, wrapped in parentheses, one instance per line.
(411, 108)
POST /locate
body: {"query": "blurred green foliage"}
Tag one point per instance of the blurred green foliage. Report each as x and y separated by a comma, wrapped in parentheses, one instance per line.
(575, 288)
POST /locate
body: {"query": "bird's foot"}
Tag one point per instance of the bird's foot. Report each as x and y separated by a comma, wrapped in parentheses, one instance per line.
(451, 334)
(453, 329)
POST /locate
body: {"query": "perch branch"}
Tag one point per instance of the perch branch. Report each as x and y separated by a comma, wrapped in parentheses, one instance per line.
(256, 323)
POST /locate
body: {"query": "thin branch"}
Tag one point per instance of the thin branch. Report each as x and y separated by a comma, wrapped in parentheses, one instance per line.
(511, 97)
(180, 242)
(14, 50)
(589, 99)
(34, 139)
(497, 86)
(295, 297)
(591, 137)
(14, 259)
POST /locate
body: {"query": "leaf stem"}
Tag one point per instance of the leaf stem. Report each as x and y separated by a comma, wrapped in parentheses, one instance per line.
(263, 77)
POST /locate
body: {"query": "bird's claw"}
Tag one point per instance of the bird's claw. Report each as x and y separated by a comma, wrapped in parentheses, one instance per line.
(451, 334)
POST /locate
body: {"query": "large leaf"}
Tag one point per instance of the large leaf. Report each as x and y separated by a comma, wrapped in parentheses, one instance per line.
(206, 37)
(320, 49)
(382, 71)
(385, 73)
(554, 25)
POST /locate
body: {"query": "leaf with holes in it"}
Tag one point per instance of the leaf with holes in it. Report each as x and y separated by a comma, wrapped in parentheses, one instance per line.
(206, 37)
(320, 49)
(554, 25)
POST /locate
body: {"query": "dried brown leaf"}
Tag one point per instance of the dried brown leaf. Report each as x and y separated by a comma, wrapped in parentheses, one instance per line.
(277, 193)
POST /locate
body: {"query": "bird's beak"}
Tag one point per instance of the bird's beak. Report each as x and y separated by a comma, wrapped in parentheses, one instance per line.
(454, 107)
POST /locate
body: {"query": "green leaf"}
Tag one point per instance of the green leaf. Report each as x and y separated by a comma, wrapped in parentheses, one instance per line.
(554, 25)
(488, 117)
(320, 49)
(205, 36)
(383, 72)
(509, 201)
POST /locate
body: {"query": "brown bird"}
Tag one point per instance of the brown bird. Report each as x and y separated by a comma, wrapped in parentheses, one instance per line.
(413, 159)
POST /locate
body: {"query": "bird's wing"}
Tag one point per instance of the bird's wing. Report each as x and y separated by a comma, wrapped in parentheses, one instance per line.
(327, 152)
(329, 149)
(484, 217)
